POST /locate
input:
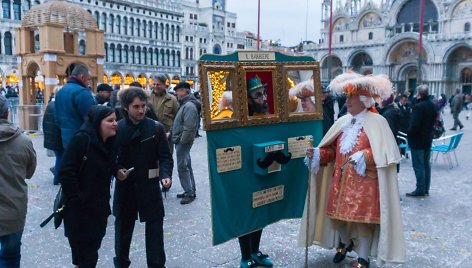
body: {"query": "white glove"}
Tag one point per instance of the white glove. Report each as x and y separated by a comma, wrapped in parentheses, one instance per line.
(358, 160)
(315, 160)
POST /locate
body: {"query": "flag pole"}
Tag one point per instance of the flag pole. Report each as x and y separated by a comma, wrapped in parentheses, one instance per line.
(307, 206)
(420, 45)
(330, 40)
(258, 25)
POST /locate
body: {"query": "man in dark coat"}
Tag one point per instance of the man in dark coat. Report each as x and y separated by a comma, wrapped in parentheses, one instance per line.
(456, 108)
(328, 109)
(392, 113)
(103, 94)
(52, 136)
(405, 111)
(420, 137)
(144, 160)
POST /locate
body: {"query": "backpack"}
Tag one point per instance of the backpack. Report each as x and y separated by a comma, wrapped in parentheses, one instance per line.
(438, 127)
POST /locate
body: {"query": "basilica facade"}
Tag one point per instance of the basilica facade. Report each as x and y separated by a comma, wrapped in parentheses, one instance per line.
(382, 37)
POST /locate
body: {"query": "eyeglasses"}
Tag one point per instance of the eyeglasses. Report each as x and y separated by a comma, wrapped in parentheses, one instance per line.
(258, 95)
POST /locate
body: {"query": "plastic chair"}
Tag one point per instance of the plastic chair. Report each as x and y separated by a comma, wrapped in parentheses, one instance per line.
(403, 137)
(447, 145)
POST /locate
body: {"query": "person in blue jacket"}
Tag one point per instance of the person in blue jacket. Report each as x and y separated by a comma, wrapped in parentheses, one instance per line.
(72, 103)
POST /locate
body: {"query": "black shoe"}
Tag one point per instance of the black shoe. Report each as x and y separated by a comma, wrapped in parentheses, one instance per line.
(461, 127)
(341, 252)
(187, 199)
(453, 129)
(181, 195)
(415, 194)
(52, 169)
(361, 263)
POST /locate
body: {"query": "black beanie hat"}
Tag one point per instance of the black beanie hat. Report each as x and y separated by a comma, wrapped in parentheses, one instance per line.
(184, 85)
(104, 87)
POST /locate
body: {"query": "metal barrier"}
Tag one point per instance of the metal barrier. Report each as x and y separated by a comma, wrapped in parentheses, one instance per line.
(13, 110)
(28, 117)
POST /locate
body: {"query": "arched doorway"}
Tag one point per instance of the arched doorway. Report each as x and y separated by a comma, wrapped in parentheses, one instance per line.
(217, 49)
(336, 68)
(458, 66)
(129, 78)
(11, 78)
(175, 80)
(410, 77)
(142, 80)
(116, 79)
(466, 80)
(34, 82)
(362, 63)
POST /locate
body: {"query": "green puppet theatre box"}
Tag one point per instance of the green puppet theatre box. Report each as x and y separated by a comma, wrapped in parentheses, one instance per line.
(261, 110)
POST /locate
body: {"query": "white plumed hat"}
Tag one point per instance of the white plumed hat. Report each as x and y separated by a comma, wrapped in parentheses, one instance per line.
(377, 86)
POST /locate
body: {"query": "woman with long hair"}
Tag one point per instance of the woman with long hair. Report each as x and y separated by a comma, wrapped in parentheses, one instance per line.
(85, 173)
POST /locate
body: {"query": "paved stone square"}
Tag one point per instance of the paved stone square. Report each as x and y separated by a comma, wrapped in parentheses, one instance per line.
(436, 228)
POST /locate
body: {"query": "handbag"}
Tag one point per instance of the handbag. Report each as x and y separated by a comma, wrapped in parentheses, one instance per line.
(60, 200)
(58, 210)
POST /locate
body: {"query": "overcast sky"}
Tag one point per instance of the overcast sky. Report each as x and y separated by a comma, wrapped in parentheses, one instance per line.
(280, 19)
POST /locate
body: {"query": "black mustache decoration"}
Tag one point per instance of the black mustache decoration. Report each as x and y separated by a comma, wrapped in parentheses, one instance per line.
(228, 150)
(300, 139)
(277, 156)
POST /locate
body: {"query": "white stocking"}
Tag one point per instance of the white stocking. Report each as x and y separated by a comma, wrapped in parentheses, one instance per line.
(364, 247)
(343, 234)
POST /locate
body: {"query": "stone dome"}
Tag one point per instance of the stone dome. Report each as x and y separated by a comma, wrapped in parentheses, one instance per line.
(68, 14)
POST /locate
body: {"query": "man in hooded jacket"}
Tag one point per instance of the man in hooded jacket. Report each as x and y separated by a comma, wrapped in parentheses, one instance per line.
(17, 163)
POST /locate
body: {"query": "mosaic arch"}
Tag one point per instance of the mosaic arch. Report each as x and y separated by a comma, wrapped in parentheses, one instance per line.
(370, 20)
(462, 9)
(405, 52)
(341, 24)
(461, 54)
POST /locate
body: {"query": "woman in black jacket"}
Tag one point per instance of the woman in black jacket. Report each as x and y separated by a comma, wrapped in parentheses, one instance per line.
(85, 174)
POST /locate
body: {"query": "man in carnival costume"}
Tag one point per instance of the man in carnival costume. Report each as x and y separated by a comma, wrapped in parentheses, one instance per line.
(353, 200)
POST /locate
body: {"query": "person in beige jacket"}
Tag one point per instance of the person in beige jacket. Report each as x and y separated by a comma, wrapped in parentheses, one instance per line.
(165, 105)
(17, 163)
